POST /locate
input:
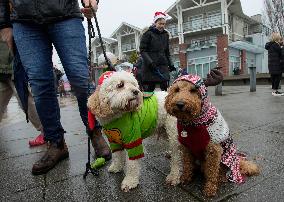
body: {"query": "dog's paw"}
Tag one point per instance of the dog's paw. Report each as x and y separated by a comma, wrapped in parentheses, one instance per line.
(115, 168)
(129, 183)
(173, 179)
(185, 179)
(210, 189)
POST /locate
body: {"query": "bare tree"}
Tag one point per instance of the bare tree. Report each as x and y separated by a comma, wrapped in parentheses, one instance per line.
(275, 15)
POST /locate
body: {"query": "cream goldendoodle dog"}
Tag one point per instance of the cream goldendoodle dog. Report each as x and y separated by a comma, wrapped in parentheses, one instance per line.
(127, 118)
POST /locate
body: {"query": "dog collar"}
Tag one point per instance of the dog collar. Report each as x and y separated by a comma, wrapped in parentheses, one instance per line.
(183, 124)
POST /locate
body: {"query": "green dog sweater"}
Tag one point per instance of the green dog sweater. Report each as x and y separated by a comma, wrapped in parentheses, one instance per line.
(128, 131)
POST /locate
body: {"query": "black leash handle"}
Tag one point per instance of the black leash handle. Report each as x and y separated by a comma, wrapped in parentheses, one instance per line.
(91, 33)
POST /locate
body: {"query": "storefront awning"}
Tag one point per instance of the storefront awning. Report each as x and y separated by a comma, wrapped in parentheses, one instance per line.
(242, 45)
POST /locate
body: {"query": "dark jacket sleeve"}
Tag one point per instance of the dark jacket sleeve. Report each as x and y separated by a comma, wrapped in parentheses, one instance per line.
(167, 51)
(144, 45)
(138, 64)
(267, 45)
(4, 14)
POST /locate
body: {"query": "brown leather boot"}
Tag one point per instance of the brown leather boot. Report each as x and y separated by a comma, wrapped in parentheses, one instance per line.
(101, 147)
(53, 155)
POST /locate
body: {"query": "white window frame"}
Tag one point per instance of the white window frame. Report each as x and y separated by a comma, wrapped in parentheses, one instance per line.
(231, 68)
(195, 64)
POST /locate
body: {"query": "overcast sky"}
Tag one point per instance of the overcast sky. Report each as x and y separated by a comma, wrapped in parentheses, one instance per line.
(112, 13)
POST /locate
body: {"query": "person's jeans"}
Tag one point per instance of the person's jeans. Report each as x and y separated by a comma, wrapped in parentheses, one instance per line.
(34, 43)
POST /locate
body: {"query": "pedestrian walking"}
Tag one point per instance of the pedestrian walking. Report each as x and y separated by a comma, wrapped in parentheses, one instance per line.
(274, 62)
(7, 90)
(37, 26)
(154, 49)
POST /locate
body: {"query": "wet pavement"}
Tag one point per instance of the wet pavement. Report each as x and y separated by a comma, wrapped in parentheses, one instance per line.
(256, 121)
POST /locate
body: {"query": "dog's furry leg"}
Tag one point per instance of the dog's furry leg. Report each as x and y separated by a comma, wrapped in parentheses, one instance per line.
(248, 168)
(174, 177)
(131, 179)
(211, 168)
(118, 161)
(222, 174)
(188, 165)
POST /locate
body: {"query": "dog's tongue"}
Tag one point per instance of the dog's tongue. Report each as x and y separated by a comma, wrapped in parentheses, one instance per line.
(128, 106)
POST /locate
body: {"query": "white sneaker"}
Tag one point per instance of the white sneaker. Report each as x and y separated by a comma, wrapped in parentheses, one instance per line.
(277, 93)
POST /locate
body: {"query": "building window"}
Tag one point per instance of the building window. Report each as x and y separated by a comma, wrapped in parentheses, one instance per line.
(235, 62)
(201, 66)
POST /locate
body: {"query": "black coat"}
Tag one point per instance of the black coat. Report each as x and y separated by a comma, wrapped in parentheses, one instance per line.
(274, 57)
(37, 11)
(154, 49)
(282, 59)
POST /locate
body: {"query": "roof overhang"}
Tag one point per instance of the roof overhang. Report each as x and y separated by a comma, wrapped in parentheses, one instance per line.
(242, 45)
(113, 35)
(236, 8)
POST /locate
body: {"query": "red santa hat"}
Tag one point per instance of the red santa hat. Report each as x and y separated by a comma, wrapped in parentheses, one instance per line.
(104, 76)
(159, 15)
(91, 117)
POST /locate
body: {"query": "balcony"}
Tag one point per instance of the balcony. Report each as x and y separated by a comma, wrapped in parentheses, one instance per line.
(202, 23)
(128, 47)
(173, 31)
(198, 45)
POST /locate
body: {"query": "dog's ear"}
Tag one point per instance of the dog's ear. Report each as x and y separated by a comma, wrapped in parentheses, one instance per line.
(169, 97)
(100, 108)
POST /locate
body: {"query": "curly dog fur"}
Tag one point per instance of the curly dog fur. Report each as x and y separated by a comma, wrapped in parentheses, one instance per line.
(118, 96)
(184, 102)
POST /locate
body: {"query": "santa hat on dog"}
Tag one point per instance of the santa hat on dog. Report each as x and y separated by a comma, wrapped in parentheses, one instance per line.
(91, 117)
(159, 15)
(104, 76)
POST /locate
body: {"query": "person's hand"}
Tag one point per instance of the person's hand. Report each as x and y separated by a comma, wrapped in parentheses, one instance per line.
(214, 78)
(172, 68)
(153, 66)
(7, 36)
(87, 11)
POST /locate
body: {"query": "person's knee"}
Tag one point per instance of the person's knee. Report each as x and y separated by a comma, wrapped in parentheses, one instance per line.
(42, 87)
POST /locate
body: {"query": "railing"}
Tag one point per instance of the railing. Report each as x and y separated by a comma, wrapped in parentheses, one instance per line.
(204, 43)
(173, 31)
(202, 23)
(127, 47)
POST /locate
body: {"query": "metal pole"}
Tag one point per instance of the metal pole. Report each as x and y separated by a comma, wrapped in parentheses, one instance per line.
(218, 90)
(252, 79)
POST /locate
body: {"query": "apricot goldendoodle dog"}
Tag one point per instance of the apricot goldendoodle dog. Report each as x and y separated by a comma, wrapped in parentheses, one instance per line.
(205, 136)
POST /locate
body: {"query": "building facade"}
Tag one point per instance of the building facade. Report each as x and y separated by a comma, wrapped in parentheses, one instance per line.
(123, 42)
(207, 33)
(203, 34)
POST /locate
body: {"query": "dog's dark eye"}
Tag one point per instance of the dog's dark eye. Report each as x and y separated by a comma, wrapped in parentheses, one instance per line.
(193, 90)
(120, 85)
(176, 90)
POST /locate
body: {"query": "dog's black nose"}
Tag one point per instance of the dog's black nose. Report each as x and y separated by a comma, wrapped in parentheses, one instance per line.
(180, 104)
(135, 92)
